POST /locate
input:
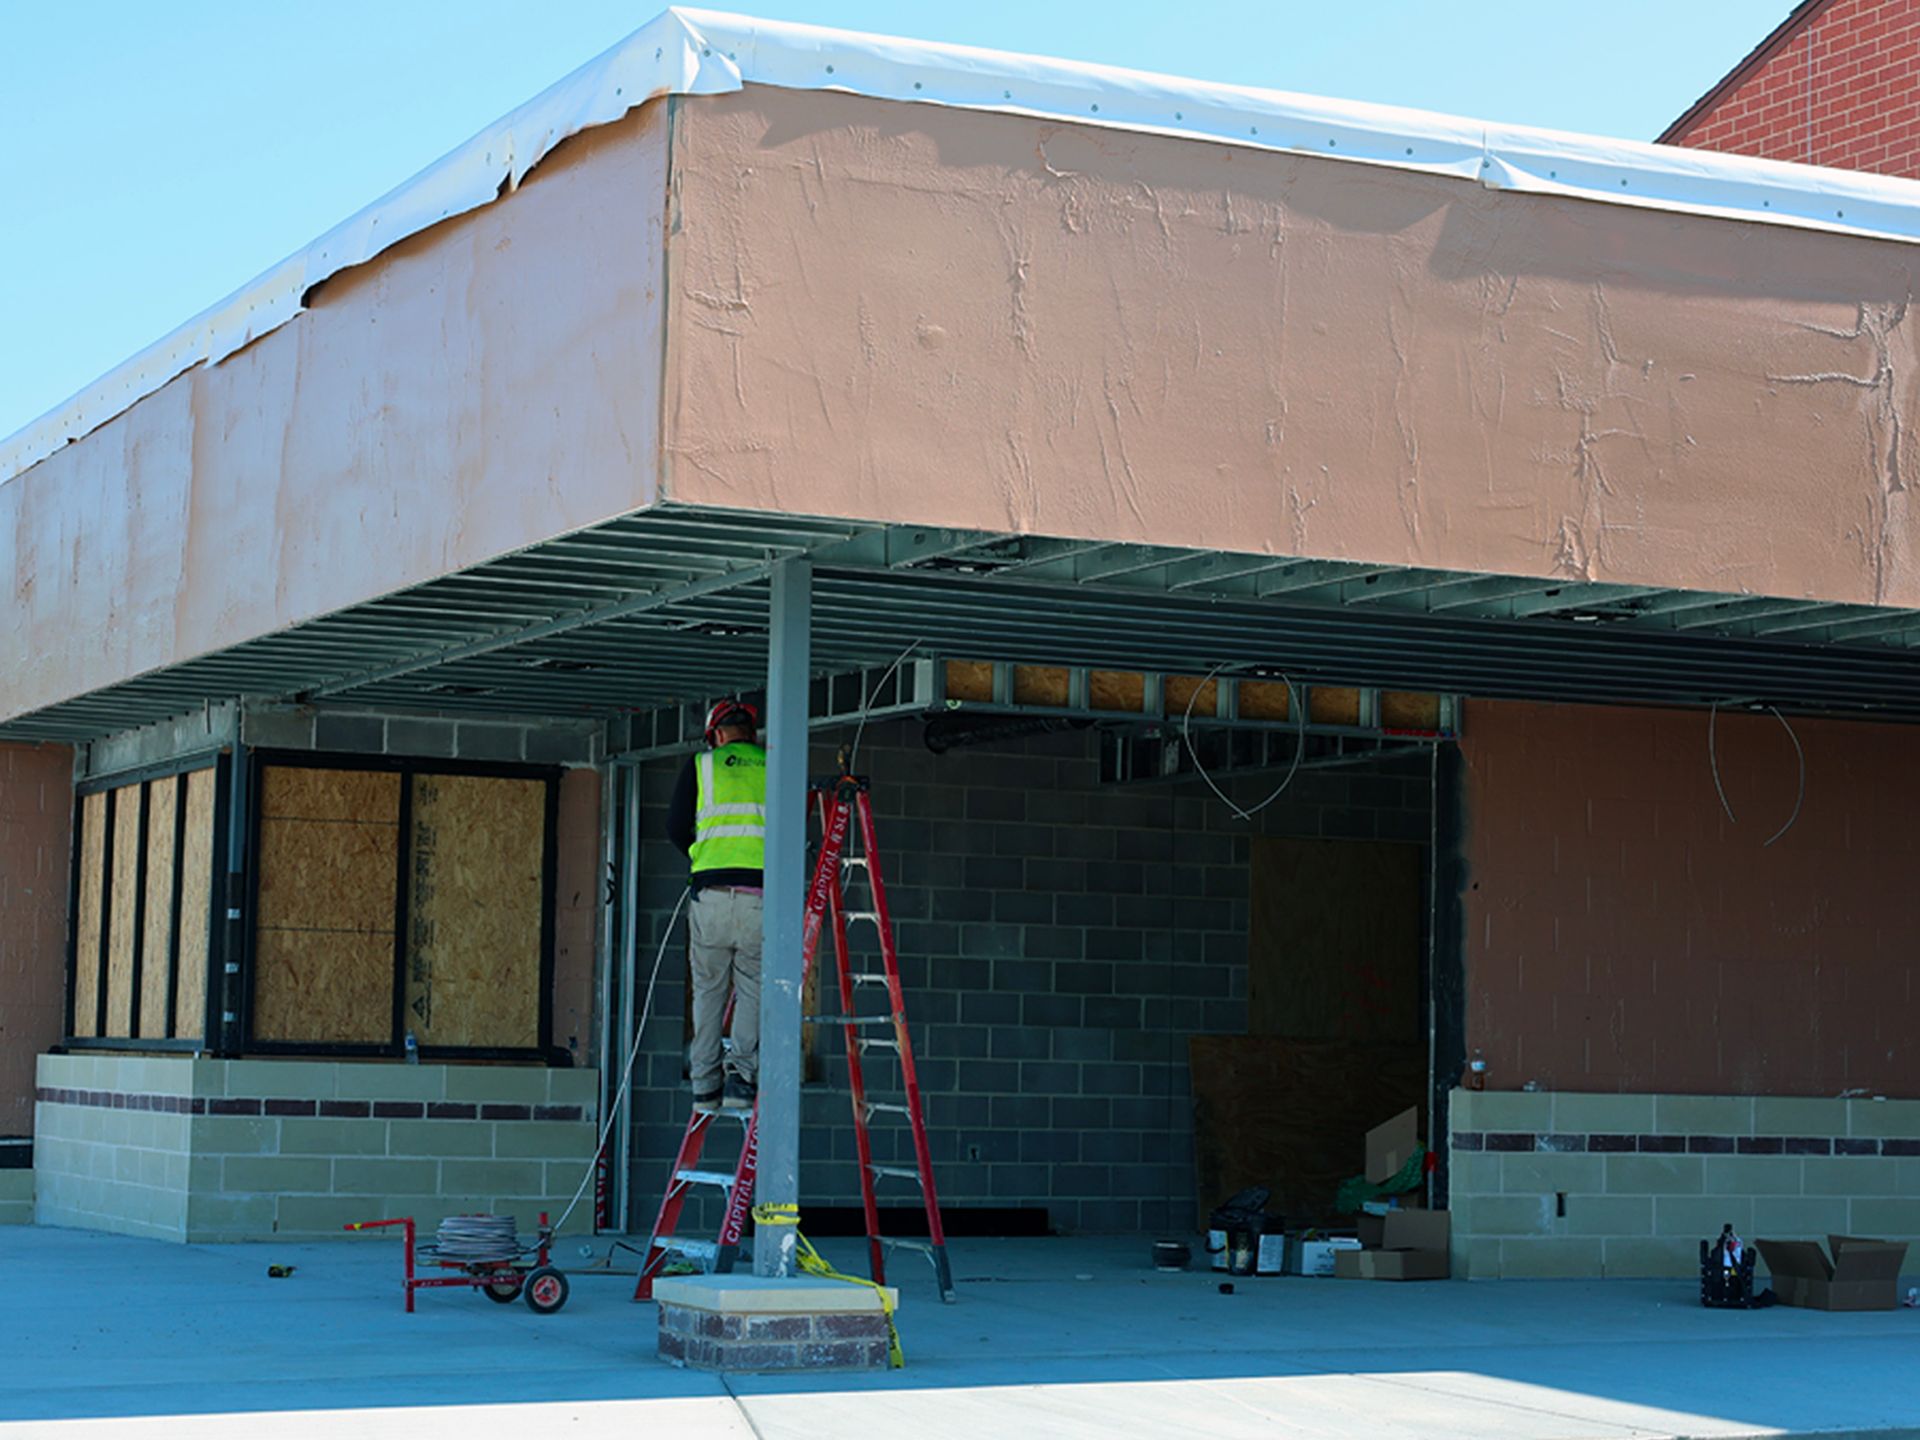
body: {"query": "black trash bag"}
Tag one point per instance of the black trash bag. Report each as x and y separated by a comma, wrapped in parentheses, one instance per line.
(1246, 1211)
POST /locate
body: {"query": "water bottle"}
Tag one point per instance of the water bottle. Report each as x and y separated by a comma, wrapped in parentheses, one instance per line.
(413, 1049)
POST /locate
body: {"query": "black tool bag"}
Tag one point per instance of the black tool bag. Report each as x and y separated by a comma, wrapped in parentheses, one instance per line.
(1726, 1273)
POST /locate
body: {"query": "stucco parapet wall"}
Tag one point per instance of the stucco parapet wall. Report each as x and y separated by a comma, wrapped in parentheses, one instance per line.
(696, 52)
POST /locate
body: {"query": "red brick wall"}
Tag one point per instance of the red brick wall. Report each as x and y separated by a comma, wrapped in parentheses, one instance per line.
(1622, 935)
(1843, 91)
(36, 801)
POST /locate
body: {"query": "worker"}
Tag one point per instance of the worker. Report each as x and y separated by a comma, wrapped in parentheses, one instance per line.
(718, 818)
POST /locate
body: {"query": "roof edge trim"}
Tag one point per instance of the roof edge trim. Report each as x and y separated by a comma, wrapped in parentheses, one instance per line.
(697, 52)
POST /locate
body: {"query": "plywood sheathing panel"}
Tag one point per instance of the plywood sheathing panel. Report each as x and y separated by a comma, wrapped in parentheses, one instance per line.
(1041, 685)
(328, 871)
(970, 680)
(475, 867)
(1400, 710)
(156, 944)
(122, 936)
(1117, 690)
(196, 914)
(86, 924)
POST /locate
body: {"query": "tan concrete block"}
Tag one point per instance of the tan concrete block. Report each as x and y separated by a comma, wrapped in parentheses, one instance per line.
(278, 1175)
(575, 1087)
(1609, 1215)
(1799, 1217)
(373, 1080)
(169, 1075)
(329, 1215)
(1473, 1172)
(152, 1131)
(126, 1165)
(1508, 1110)
(1798, 1115)
(492, 1177)
(1886, 1218)
(1703, 1115)
(1850, 1175)
(174, 1170)
(230, 1217)
(301, 1135)
(16, 1186)
(504, 1084)
(1699, 1217)
(1907, 1176)
(153, 1169)
(210, 1077)
(1555, 1258)
(1750, 1174)
(542, 1140)
(60, 1072)
(1513, 1215)
(440, 1137)
(234, 1135)
(578, 1223)
(1637, 1258)
(283, 1079)
(205, 1174)
(1653, 1174)
(1884, 1119)
(1460, 1108)
(1477, 1258)
(16, 1212)
(1602, 1114)
(386, 1177)
(1535, 1172)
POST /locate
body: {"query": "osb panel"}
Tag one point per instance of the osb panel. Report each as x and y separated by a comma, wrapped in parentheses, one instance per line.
(1333, 705)
(1265, 700)
(196, 915)
(122, 936)
(289, 792)
(1400, 710)
(1117, 690)
(1180, 690)
(475, 862)
(1333, 950)
(86, 924)
(156, 943)
(1040, 685)
(323, 986)
(969, 680)
(577, 888)
(328, 868)
(1292, 1115)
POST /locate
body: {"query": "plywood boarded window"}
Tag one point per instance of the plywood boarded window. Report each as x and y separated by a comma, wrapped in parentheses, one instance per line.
(142, 919)
(401, 899)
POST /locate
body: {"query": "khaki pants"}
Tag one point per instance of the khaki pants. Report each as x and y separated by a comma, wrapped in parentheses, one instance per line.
(724, 926)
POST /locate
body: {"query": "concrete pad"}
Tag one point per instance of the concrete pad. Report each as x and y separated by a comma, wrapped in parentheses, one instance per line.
(758, 1295)
(109, 1335)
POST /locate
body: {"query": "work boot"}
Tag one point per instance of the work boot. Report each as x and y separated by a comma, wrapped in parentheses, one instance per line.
(707, 1101)
(740, 1094)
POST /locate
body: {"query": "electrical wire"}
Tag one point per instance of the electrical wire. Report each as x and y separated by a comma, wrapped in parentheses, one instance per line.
(1801, 796)
(1299, 746)
(618, 1106)
(1713, 762)
(1799, 755)
(866, 701)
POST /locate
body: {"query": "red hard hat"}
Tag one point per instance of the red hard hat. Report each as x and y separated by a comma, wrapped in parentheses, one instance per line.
(731, 712)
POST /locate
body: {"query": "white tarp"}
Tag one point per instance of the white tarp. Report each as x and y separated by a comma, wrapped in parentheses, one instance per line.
(698, 52)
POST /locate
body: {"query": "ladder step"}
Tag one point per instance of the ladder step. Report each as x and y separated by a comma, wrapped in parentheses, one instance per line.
(896, 1242)
(883, 1042)
(870, 916)
(869, 977)
(887, 1107)
(848, 1019)
(898, 1172)
(705, 1177)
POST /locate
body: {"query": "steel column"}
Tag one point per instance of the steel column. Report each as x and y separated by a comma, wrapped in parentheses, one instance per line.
(781, 966)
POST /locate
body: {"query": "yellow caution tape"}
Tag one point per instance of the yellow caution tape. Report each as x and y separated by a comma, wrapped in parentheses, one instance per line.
(815, 1264)
(776, 1214)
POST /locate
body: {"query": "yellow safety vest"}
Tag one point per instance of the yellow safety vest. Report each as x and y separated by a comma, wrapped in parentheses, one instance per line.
(730, 809)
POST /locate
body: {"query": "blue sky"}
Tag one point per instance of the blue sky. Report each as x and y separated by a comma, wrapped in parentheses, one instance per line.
(163, 155)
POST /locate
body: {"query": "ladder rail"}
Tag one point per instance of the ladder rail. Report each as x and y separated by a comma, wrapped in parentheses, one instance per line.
(830, 801)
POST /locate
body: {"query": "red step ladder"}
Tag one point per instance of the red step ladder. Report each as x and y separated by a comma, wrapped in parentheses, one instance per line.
(846, 811)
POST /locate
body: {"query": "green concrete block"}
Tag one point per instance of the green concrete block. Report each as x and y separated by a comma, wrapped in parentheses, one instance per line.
(301, 1135)
(1883, 1119)
(1750, 1174)
(1558, 1258)
(1635, 1258)
(1703, 1115)
(329, 1215)
(63, 1072)
(1886, 1218)
(1800, 1217)
(439, 1137)
(574, 1087)
(278, 1174)
(542, 1140)
(386, 1177)
(1478, 1258)
(492, 1177)
(16, 1186)
(1530, 1173)
(14, 1212)
(1653, 1174)
(1851, 1175)
(1609, 1215)
(1798, 1115)
(232, 1217)
(282, 1079)
(209, 1077)
(1699, 1217)
(234, 1135)
(1474, 1173)
(373, 1080)
(502, 1084)
(126, 1165)
(1602, 1114)
(1513, 1215)
(1509, 1110)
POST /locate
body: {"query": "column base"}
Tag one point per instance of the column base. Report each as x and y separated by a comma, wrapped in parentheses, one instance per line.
(748, 1322)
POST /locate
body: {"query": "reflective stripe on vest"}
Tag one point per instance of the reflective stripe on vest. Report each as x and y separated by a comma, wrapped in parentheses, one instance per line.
(730, 809)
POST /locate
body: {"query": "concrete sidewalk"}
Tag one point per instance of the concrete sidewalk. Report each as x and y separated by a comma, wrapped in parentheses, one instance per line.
(105, 1335)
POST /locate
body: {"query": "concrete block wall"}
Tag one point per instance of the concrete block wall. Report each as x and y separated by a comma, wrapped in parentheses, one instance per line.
(16, 1196)
(1642, 1179)
(214, 1150)
(1060, 940)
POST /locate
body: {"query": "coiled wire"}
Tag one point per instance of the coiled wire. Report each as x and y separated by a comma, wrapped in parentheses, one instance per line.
(477, 1239)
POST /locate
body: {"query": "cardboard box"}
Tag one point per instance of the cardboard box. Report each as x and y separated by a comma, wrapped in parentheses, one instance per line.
(1862, 1275)
(1415, 1245)
(1271, 1259)
(1391, 1145)
(1316, 1257)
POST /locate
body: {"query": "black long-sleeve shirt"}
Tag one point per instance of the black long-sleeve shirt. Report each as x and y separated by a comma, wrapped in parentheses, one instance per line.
(681, 830)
